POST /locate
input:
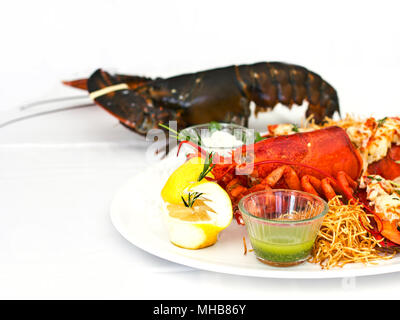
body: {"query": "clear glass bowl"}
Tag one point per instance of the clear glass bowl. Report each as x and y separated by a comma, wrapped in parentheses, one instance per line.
(221, 144)
(282, 224)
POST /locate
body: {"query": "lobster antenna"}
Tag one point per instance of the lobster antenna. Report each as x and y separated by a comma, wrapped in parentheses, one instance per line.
(37, 103)
(14, 120)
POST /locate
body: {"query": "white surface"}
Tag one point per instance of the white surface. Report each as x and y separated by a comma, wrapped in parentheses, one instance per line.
(136, 214)
(59, 172)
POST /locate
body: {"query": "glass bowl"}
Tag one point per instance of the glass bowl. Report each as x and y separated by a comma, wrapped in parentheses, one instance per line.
(282, 224)
(217, 137)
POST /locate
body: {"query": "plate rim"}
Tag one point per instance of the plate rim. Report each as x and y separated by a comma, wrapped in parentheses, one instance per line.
(279, 273)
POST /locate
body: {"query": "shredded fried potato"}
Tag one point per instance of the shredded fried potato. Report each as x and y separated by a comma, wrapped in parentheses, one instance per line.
(348, 121)
(343, 238)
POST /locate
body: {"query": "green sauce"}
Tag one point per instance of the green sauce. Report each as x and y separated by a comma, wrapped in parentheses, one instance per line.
(281, 251)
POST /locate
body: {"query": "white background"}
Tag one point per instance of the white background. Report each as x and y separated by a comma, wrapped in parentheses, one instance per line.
(59, 172)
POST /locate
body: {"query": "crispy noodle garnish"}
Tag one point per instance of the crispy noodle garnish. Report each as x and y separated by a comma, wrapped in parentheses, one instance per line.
(348, 121)
(343, 238)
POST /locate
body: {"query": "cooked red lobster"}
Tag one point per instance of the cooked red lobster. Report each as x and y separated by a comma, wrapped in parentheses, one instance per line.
(222, 94)
(323, 162)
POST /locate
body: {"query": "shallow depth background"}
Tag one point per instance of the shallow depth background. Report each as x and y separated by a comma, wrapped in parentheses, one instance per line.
(352, 44)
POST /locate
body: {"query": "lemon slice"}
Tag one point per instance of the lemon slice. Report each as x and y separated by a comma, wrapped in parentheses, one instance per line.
(198, 227)
(181, 178)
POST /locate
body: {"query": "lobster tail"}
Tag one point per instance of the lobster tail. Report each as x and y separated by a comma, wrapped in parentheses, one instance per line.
(267, 84)
(130, 108)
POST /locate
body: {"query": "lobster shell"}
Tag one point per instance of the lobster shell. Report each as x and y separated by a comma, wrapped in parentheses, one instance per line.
(322, 152)
(388, 167)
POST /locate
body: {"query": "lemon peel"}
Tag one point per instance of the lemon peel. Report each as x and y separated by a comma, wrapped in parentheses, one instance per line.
(200, 229)
(187, 174)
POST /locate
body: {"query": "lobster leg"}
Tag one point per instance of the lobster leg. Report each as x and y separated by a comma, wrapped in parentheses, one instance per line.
(327, 185)
(347, 184)
(311, 185)
(290, 176)
(235, 188)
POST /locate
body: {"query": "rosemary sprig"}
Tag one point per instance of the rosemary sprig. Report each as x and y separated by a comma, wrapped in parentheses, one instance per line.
(374, 178)
(295, 128)
(208, 166)
(169, 129)
(381, 122)
(180, 136)
(192, 197)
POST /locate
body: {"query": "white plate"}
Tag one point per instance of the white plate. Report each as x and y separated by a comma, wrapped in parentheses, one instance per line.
(136, 215)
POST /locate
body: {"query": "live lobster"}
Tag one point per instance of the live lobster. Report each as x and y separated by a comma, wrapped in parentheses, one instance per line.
(222, 94)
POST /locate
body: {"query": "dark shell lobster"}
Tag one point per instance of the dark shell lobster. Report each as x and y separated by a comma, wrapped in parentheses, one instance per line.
(222, 94)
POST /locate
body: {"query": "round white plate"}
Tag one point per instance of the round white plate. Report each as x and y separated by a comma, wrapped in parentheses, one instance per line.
(136, 215)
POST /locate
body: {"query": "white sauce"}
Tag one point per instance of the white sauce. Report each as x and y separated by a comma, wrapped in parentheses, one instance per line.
(221, 141)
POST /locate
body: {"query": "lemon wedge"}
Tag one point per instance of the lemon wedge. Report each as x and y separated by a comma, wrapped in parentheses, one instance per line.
(198, 226)
(187, 174)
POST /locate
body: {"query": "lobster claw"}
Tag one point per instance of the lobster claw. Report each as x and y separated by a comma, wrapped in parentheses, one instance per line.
(130, 108)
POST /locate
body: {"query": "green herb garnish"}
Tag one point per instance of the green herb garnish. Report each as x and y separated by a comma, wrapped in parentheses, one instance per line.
(179, 135)
(397, 191)
(374, 178)
(381, 122)
(258, 137)
(192, 197)
(214, 126)
(208, 166)
(169, 129)
(198, 142)
(295, 128)
(394, 184)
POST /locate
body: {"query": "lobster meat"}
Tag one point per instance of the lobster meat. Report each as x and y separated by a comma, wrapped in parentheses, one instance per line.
(222, 94)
